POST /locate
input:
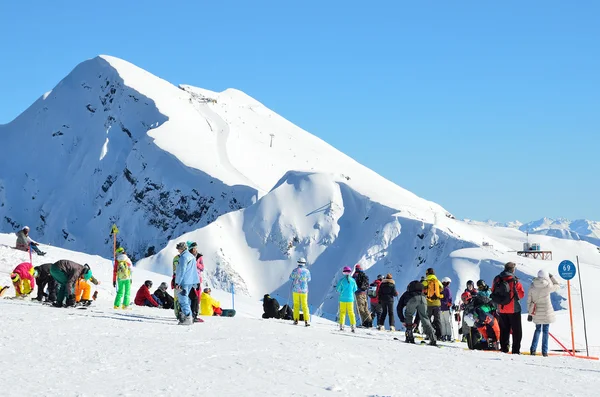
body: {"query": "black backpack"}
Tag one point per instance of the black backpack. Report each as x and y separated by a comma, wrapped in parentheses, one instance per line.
(501, 294)
(362, 281)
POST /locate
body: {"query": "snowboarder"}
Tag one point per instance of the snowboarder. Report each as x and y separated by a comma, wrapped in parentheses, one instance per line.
(195, 290)
(415, 302)
(484, 332)
(186, 278)
(434, 296)
(507, 290)
(270, 307)
(43, 279)
(540, 308)
(180, 247)
(122, 279)
(347, 287)
(23, 279)
(387, 293)
(376, 308)
(83, 290)
(66, 273)
(362, 282)
(445, 315)
(300, 278)
(144, 298)
(162, 294)
(24, 242)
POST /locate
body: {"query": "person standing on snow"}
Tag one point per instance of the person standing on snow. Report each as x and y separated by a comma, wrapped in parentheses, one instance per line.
(507, 290)
(347, 287)
(434, 296)
(186, 278)
(195, 291)
(43, 278)
(483, 289)
(445, 315)
(415, 302)
(23, 279)
(376, 308)
(540, 308)
(300, 278)
(387, 293)
(180, 247)
(24, 242)
(362, 282)
(66, 273)
(122, 278)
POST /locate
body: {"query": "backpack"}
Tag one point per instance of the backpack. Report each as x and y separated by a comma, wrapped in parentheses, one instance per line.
(501, 291)
(372, 292)
(362, 281)
(123, 270)
(433, 289)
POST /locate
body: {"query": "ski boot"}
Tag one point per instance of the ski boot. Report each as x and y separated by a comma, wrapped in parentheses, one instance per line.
(352, 329)
(341, 327)
(295, 322)
(306, 324)
(392, 328)
(408, 336)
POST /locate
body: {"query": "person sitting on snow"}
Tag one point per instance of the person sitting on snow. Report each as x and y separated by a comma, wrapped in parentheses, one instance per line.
(162, 294)
(270, 307)
(143, 297)
(23, 279)
(24, 242)
(209, 306)
(43, 279)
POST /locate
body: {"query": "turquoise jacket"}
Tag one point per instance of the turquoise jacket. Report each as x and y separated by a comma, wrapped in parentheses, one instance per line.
(346, 287)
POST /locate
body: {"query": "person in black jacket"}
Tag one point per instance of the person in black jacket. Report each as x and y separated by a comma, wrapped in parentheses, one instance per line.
(414, 301)
(387, 293)
(43, 278)
(162, 294)
(270, 307)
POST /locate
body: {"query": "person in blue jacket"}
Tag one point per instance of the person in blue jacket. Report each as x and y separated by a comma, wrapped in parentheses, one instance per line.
(186, 278)
(346, 288)
(483, 289)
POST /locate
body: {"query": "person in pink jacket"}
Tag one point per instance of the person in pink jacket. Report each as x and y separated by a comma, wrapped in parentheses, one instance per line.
(200, 268)
(23, 279)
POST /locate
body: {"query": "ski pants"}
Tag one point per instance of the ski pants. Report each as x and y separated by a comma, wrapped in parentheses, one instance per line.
(363, 308)
(376, 311)
(61, 280)
(446, 322)
(301, 299)
(51, 283)
(123, 293)
(418, 304)
(83, 290)
(388, 308)
(510, 322)
(434, 311)
(22, 287)
(347, 307)
(194, 296)
(183, 296)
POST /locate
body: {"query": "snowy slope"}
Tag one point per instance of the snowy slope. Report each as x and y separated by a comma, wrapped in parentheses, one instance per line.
(103, 352)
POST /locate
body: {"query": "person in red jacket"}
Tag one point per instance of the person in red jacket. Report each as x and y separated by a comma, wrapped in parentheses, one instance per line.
(143, 297)
(510, 313)
(376, 308)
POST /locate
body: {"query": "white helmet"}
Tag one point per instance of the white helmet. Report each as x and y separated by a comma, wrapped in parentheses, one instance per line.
(302, 261)
(26, 228)
(446, 280)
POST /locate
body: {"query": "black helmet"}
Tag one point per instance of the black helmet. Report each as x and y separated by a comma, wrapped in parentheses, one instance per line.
(470, 282)
(481, 284)
(148, 283)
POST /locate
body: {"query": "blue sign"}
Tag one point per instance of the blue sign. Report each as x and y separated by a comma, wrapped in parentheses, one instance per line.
(567, 270)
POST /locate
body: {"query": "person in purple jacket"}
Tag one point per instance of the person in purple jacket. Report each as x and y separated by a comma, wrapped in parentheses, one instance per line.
(445, 317)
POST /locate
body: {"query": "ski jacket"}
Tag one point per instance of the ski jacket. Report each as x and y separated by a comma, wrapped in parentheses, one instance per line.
(446, 301)
(486, 292)
(387, 291)
(300, 277)
(186, 272)
(25, 272)
(142, 295)
(200, 268)
(539, 304)
(164, 297)
(374, 299)
(73, 272)
(208, 304)
(514, 306)
(362, 281)
(346, 288)
(270, 307)
(23, 241)
(122, 268)
(434, 290)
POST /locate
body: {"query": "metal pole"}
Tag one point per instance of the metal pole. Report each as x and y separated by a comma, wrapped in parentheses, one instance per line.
(571, 315)
(232, 296)
(582, 308)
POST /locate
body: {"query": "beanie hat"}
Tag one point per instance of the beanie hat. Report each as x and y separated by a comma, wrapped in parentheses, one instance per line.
(191, 244)
(346, 269)
(510, 266)
(25, 227)
(181, 246)
(380, 277)
(358, 266)
(120, 250)
(388, 276)
(542, 274)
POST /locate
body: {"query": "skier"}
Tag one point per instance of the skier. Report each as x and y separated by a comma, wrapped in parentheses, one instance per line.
(83, 290)
(144, 298)
(483, 289)
(162, 294)
(43, 279)
(66, 273)
(195, 290)
(484, 331)
(362, 282)
(270, 307)
(507, 290)
(347, 287)
(387, 293)
(122, 278)
(300, 278)
(23, 279)
(186, 278)
(209, 306)
(376, 308)
(434, 296)
(445, 315)
(415, 302)
(539, 306)
(24, 242)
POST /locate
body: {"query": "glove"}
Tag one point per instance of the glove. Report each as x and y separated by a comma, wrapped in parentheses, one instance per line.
(71, 300)
(114, 284)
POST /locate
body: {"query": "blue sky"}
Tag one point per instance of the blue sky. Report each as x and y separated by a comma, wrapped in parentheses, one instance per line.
(491, 109)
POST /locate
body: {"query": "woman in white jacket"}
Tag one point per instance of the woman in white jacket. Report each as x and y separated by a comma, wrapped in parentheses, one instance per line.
(540, 308)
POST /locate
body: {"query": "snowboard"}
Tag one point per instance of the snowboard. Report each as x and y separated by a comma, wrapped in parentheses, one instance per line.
(3, 290)
(228, 313)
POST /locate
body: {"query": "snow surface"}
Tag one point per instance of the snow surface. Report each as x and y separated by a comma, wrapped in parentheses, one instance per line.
(105, 352)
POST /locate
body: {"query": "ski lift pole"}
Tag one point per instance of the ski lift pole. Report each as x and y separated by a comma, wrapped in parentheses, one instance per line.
(114, 230)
